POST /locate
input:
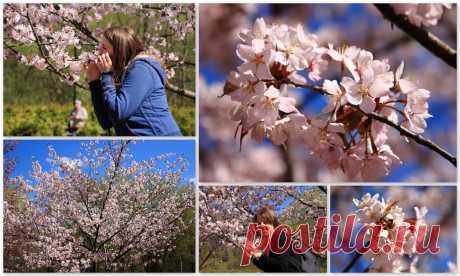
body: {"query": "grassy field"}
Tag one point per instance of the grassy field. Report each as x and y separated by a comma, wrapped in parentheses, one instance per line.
(51, 120)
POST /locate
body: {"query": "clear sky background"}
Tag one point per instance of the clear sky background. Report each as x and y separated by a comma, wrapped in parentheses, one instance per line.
(443, 117)
(286, 203)
(27, 151)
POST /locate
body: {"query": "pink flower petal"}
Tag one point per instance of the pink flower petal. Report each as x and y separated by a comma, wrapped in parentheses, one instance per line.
(367, 105)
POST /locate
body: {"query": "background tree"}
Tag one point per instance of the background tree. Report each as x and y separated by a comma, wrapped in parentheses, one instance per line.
(226, 211)
(12, 194)
(102, 211)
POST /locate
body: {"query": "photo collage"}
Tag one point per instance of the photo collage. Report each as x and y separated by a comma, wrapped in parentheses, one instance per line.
(229, 137)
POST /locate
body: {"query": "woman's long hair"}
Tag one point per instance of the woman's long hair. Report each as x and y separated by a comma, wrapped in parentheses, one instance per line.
(126, 46)
(267, 216)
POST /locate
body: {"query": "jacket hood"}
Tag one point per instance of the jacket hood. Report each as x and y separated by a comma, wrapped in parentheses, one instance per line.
(152, 63)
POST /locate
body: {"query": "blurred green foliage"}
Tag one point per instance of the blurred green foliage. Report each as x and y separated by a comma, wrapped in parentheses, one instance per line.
(37, 103)
(182, 258)
(51, 120)
(224, 259)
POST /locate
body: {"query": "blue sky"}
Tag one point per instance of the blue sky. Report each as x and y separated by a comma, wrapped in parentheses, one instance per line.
(286, 203)
(437, 125)
(29, 150)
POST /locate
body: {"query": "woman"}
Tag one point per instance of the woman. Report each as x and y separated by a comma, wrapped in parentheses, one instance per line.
(128, 88)
(286, 262)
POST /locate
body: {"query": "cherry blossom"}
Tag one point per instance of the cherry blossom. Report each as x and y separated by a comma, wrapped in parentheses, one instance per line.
(416, 110)
(425, 15)
(372, 211)
(345, 135)
(403, 205)
(225, 211)
(374, 82)
(97, 210)
(347, 56)
(63, 39)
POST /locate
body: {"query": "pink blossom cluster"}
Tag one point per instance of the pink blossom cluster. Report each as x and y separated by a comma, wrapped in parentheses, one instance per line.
(63, 41)
(422, 15)
(225, 211)
(98, 210)
(344, 135)
(175, 21)
(371, 212)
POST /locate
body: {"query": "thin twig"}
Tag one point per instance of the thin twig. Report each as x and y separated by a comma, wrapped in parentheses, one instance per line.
(403, 131)
(323, 189)
(183, 92)
(314, 88)
(303, 202)
(427, 39)
(288, 175)
(416, 137)
(79, 26)
(353, 261)
(203, 262)
(50, 66)
(169, 86)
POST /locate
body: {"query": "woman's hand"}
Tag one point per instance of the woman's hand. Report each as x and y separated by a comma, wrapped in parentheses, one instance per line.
(104, 63)
(92, 72)
(253, 252)
(257, 253)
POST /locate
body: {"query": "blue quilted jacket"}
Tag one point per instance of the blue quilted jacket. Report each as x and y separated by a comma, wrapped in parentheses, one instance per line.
(138, 107)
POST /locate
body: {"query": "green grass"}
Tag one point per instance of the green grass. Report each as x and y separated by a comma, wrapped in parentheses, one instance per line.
(51, 120)
(225, 259)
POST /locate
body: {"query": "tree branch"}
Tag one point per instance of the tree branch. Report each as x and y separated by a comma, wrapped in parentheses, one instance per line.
(416, 137)
(120, 253)
(117, 163)
(288, 175)
(428, 40)
(85, 31)
(299, 199)
(202, 263)
(183, 92)
(50, 66)
(402, 130)
(314, 88)
(169, 86)
(323, 189)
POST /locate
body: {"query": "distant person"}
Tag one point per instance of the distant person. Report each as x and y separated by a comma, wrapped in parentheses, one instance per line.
(272, 262)
(128, 87)
(77, 119)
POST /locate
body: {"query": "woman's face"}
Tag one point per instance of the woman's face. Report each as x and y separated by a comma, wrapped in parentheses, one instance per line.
(106, 47)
